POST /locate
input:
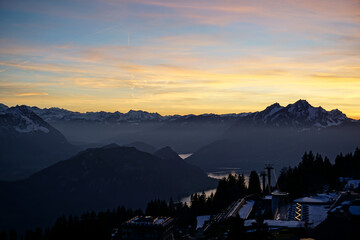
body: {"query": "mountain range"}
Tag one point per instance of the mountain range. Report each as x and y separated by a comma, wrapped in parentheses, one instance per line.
(98, 179)
(277, 134)
(185, 134)
(300, 115)
(134, 116)
(280, 135)
(301, 112)
(28, 143)
(34, 150)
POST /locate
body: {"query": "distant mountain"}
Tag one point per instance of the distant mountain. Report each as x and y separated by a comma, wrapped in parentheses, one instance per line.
(59, 114)
(97, 179)
(184, 133)
(280, 135)
(3, 107)
(28, 143)
(134, 116)
(168, 153)
(141, 146)
(294, 126)
(299, 115)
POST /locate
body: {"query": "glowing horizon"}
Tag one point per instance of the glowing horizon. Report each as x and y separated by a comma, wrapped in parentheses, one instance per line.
(188, 57)
(185, 113)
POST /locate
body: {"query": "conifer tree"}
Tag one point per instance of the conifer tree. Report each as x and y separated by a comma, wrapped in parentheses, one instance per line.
(254, 183)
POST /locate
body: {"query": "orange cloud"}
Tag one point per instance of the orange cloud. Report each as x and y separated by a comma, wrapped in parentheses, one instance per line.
(31, 94)
(175, 64)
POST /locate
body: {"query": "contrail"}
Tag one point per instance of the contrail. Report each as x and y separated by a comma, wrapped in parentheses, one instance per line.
(128, 39)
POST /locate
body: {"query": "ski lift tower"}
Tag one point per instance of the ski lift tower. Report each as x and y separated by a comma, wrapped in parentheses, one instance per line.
(269, 167)
(263, 175)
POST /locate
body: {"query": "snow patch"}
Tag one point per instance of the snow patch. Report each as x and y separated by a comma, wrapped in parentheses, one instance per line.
(352, 184)
(312, 113)
(319, 199)
(277, 223)
(27, 125)
(245, 210)
(32, 128)
(23, 120)
(201, 221)
(354, 210)
(274, 110)
(317, 214)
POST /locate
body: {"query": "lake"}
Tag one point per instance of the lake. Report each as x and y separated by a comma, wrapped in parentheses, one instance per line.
(219, 174)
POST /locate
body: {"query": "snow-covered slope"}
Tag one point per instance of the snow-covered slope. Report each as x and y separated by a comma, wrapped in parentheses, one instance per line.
(280, 135)
(22, 120)
(28, 143)
(3, 107)
(299, 114)
(59, 114)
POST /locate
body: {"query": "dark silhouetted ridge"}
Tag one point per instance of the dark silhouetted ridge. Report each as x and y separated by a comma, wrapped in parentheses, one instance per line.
(97, 179)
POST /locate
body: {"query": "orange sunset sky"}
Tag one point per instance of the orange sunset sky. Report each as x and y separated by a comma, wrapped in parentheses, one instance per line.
(180, 57)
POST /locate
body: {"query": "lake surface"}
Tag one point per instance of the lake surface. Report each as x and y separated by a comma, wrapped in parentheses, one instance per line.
(187, 199)
(184, 155)
(219, 174)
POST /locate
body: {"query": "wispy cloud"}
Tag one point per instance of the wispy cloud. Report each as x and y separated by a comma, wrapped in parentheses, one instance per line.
(29, 94)
(185, 56)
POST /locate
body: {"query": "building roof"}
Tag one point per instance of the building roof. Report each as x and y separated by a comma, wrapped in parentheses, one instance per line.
(318, 199)
(278, 223)
(201, 221)
(354, 210)
(149, 221)
(277, 193)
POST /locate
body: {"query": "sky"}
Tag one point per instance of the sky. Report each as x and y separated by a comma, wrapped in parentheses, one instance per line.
(180, 57)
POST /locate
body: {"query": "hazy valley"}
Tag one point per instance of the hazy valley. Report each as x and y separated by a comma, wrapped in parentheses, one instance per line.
(61, 169)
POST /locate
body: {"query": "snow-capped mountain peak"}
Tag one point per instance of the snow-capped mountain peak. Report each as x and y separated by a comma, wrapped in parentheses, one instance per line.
(311, 116)
(272, 109)
(300, 115)
(318, 116)
(3, 107)
(135, 115)
(301, 108)
(22, 120)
